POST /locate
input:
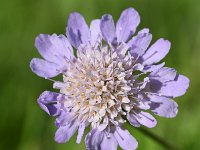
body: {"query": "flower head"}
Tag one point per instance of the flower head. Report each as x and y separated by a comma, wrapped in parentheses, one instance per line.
(114, 77)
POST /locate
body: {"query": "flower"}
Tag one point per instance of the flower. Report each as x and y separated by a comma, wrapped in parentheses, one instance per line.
(113, 77)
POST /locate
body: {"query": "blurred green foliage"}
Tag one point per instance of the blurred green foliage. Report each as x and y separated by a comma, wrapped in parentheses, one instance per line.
(24, 126)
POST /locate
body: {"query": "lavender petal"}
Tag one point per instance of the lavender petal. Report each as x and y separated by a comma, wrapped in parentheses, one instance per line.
(95, 33)
(44, 68)
(93, 139)
(163, 74)
(125, 139)
(64, 133)
(81, 130)
(146, 119)
(156, 52)
(77, 30)
(175, 88)
(109, 142)
(152, 68)
(54, 48)
(163, 106)
(140, 43)
(107, 27)
(48, 102)
(133, 121)
(127, 24)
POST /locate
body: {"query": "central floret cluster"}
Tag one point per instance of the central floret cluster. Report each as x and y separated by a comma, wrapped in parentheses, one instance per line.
(99, 85)
(114, 77)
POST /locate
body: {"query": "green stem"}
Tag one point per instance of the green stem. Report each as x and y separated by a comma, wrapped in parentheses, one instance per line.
(158, 139)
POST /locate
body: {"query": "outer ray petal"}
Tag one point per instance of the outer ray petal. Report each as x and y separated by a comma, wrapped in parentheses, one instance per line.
(163, 106)
(146, 119)
(100, 140)
(127, 24)
(125, 139)
(95, 32)
(163, 74)
(156, 52)
(81, 130)
(93, 140)
(44, 68)
(140, 43)
(108, 28)
(77, 30)
(64, 133)
(133, 121)
(54, 48)
(48, 102)
(175, 88)
(109, 142)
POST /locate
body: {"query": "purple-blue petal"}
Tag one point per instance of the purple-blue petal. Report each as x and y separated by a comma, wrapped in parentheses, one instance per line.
(109, 142)
(54, 48)
(175, 88)
(64, 133)
(125, 139)
(145, 119)
(95, 32)
(163, 106)
(45, 68)
(100, 140)
(93, 140)
(152, 68)
(77, 30)
(81, 130)
(127, 24)
(156, 52)
(163, 74)
(64, 118)
(107, 27)
(131, 118)
(140, 43)
(48, 102)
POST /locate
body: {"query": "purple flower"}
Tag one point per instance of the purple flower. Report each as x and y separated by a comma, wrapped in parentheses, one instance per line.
(106, 85)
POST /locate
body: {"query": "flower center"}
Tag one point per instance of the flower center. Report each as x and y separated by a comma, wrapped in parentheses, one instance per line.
(98, 85)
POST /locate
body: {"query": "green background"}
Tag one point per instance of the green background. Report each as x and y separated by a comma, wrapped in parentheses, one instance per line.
(24, 126)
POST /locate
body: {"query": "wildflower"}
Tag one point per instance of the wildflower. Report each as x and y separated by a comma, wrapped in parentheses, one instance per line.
(113, 78)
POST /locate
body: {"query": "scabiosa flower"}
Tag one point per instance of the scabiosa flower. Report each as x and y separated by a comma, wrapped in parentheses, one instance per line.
(113, 77)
